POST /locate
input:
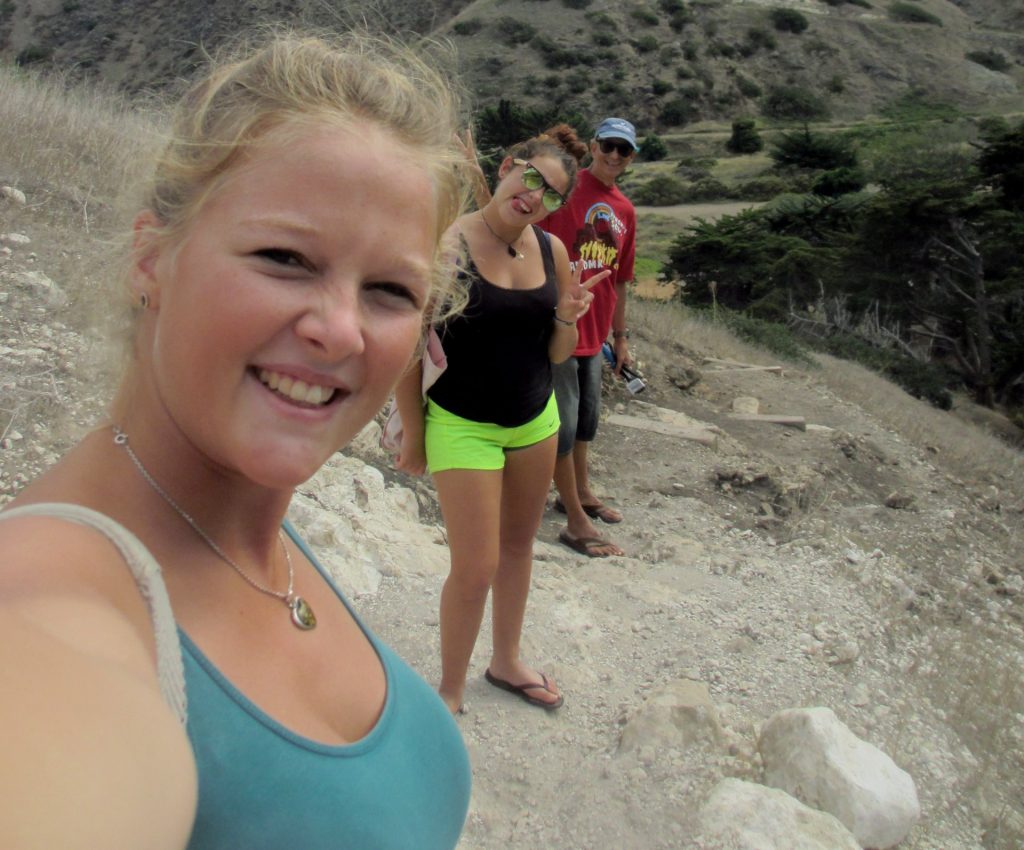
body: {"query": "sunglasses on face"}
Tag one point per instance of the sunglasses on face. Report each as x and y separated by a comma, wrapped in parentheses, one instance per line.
(625, 149)
(552, 199)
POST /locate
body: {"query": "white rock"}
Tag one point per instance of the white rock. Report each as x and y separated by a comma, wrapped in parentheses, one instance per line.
(810, 754)
(746, 404)
(679, 714)
(14, 239)
(744, 816)
(43, 288)
(13, 194)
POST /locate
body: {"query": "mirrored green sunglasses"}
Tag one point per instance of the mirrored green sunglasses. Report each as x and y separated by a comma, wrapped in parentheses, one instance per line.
(533, 180)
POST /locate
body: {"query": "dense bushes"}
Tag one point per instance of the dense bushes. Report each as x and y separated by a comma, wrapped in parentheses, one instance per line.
(911, 13)
(804, 149)
(652, 148)
(793, 103)
(677, 112)
(513, 31)
(744, 138)
(788, 20)
(467, 27)
(662, 190)
(991, 59)
(839, 181)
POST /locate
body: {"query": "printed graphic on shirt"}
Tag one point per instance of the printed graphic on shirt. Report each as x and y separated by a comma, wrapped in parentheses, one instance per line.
(598, 239)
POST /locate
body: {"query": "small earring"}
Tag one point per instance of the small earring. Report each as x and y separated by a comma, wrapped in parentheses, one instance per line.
(144, 301)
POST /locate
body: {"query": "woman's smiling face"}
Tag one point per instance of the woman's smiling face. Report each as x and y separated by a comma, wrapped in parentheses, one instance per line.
(282, 318)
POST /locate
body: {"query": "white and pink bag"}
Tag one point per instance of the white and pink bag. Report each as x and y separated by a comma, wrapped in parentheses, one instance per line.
(434, 364)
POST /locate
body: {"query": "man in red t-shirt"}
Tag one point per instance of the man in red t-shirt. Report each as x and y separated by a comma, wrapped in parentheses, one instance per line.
(598, 227)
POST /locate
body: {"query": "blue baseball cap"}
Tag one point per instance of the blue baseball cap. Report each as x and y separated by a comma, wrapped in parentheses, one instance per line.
(616, 128)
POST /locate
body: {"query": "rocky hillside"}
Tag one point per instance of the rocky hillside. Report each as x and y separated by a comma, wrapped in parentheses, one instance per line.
(818, 566)
(666, 62)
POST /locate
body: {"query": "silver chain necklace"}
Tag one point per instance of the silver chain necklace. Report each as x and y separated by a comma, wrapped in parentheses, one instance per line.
(302, 614)
(513, 252)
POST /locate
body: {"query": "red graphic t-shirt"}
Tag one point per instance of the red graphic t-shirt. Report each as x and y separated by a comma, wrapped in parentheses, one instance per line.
(598, 227)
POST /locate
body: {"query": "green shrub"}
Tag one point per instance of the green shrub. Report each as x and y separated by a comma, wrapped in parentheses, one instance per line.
(604, 39)
(862, 3)
(644, 16)
(788, 20)
(690, 52)
(928, 381)
(839, 181)
(915, 105)
(661, 87)
(32, 54)
(576, 4)
(694, 169)
(760, 39)
(772, 336)
(747, 87)
(836, 84)
(677, 112)
(991, 59)
(662, 190)
(761, 188)
(553, 55)
(646, 44)
(670, 7)
(680, 20)
(467, 27)
(793, 103)
(513, 31)
(684, 72)
(911, 13)
(602, 20)
(991, 126)
(708, 189)
(652, 148)
(578, 81)
(804, 149)
(721, 48)
(744, 138)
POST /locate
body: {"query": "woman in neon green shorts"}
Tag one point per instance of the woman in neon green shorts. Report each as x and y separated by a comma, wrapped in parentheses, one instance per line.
(489, 430)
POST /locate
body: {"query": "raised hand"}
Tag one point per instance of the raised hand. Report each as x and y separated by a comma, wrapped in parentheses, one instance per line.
(575, 300)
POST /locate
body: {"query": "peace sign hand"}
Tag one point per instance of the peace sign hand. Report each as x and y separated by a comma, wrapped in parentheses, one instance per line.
(576, 299)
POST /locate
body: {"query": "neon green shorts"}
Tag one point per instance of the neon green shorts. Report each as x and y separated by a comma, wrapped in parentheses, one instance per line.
(456, 443)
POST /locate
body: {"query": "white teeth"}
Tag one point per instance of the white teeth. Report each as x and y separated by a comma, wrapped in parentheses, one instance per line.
(295, 390)
(271, 379)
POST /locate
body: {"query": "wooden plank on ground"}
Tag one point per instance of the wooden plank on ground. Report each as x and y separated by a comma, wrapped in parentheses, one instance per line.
(791, 421)
(774, 369)
(694, 434)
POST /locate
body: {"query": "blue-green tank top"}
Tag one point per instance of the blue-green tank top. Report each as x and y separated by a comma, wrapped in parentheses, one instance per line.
(404, 786)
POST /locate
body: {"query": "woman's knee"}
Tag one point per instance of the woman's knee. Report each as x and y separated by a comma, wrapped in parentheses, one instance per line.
(471, 584)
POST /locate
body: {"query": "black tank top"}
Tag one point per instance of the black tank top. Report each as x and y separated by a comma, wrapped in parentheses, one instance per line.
(497, 348)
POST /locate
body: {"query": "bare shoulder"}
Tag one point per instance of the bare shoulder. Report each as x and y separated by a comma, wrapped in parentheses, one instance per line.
(558, 248)
(75, 583)
(76, 636)
(75, 727)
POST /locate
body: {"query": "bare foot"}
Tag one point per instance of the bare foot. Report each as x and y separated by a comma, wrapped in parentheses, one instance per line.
(454, 703)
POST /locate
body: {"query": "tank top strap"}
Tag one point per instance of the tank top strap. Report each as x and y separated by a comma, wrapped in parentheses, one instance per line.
(547, 255)
(148, 578)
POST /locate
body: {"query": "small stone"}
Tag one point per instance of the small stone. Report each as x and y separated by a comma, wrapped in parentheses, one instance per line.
(899, 501)
(12, 194)
(14, 239)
